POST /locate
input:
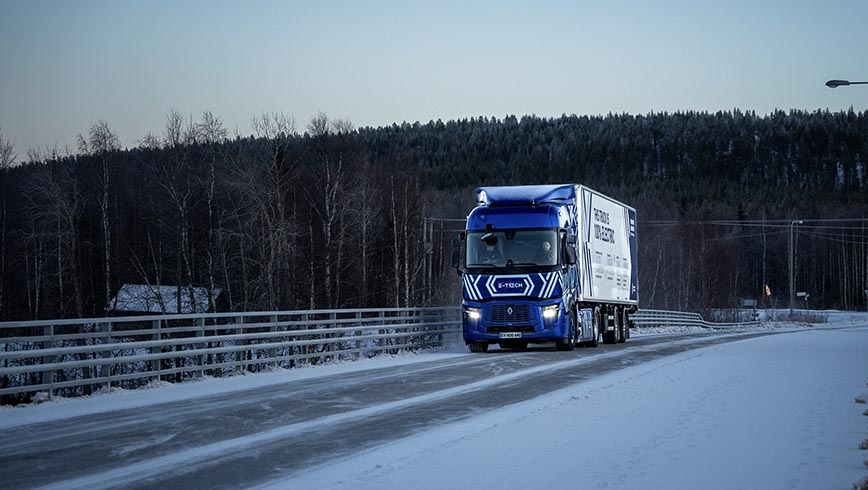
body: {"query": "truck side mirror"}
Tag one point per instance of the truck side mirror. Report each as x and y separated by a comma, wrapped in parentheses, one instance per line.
(570, 247)
(571, 255)
(456, 251)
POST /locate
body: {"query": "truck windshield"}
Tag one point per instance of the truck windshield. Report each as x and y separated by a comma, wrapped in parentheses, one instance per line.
(512, 248)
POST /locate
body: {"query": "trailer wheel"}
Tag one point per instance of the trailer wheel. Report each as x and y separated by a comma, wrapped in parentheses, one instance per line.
(621, 315)
(626, 322)
(477, 347)
(609, 337)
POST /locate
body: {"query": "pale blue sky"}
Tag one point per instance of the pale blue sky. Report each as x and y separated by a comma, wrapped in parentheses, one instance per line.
(67, 64)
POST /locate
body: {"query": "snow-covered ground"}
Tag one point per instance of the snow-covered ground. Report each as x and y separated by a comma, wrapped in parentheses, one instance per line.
(776, 411)
(770, 412)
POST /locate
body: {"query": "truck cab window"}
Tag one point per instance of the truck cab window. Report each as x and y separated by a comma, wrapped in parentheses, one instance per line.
(524, 248)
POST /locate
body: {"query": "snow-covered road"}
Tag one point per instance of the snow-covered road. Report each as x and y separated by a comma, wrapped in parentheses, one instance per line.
(769, 412)
(721, 411)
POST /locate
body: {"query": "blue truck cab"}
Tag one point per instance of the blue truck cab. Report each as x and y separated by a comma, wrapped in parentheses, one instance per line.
(521, 282)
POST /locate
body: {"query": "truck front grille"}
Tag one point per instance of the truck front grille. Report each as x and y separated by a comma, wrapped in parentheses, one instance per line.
(500, 314)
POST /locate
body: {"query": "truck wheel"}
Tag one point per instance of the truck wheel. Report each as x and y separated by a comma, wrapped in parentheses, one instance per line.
(570, 343)
(477, 346)
(621, 315)
(598, 335)
(626, 322)
(565, 345)
(574, 320)
(608, 337)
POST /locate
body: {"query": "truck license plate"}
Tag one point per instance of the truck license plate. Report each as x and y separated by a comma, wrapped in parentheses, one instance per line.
(510, 335)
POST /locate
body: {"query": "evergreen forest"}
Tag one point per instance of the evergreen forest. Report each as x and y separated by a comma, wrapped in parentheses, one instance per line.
(332, 216)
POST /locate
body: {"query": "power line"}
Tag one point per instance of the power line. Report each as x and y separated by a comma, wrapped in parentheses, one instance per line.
(738, 237)
(806, 223)
(836, 239)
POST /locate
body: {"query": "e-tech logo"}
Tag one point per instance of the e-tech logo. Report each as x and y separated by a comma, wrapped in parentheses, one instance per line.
(520, 285)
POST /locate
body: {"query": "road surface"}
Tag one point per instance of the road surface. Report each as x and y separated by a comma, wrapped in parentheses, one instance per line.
(243, 438)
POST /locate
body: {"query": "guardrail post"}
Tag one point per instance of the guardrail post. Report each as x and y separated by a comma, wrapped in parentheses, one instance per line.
(412, 327)
(200, 333)
(358, 333)
(332, 336)
(441, 324)
(437, 339)
(155, 362)
(48, 377)
(415, 327)
(381, 330)
(106, 327)
(305, 318)
(272, 353)
(242, 355)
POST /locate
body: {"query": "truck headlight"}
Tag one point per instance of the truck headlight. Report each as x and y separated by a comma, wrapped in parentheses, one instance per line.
(550, 312)
(472, 313)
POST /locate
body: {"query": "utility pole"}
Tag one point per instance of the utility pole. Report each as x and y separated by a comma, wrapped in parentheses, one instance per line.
(428, 250)
(792, 260)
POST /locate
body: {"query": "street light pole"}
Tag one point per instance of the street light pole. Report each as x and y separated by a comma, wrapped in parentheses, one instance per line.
(840, 83)
(792, 279)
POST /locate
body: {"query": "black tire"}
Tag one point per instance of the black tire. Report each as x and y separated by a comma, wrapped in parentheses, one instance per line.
(574, 321)
(621, 315)
(570, 343)
(626, 322)
(608, 337)
(598, 335)
(477, 346)
(565, 345)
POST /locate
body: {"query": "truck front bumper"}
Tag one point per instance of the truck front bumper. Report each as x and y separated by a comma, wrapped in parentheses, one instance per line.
(501, 320)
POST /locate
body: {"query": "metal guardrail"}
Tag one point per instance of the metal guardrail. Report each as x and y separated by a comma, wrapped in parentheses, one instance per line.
(76, 357)
(663, 318)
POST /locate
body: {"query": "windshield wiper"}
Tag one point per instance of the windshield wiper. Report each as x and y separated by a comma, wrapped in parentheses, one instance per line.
(524, 264)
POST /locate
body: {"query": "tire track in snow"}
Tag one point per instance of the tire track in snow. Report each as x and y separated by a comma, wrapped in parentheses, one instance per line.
(220, 453)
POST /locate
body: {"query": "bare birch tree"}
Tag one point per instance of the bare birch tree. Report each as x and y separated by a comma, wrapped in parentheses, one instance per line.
(262, 189)
(7, 159)
(7, 152)
(364, 216)
(328, 197)
(101, 141)
(55, 206)
(212, 132)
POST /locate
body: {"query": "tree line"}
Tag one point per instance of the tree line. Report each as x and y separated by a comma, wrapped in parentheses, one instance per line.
(335, 216)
